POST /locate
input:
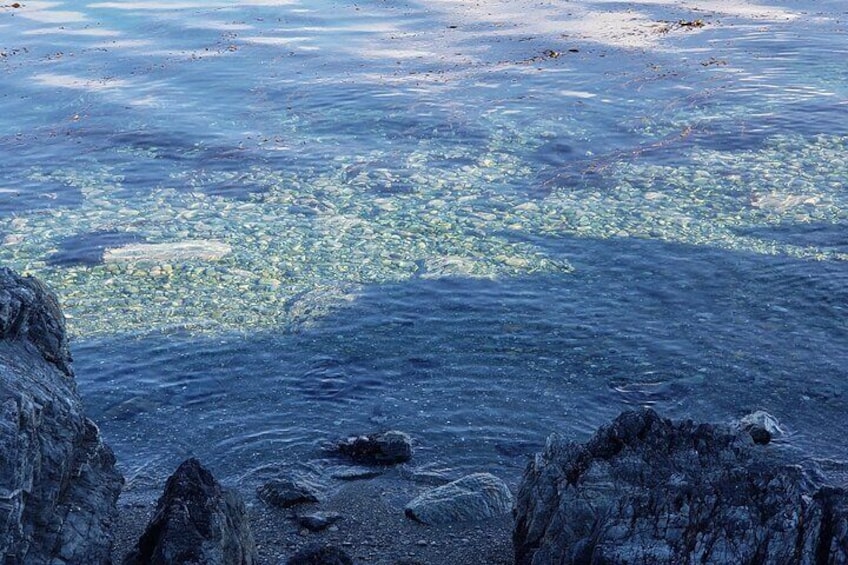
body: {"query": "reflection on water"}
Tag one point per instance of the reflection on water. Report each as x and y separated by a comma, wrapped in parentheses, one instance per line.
(473, 223)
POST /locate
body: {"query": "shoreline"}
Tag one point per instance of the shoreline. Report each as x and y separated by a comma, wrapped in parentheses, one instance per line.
(373, 528)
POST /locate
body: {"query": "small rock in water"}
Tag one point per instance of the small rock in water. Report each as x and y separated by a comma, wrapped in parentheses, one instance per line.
(286, 493)
(473, 497)
(355, 473)
(762, 426)
(317, 521)
(385, 448)
(427, 477)
(317, 554)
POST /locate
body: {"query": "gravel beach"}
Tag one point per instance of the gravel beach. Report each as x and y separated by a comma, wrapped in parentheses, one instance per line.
(373, 528)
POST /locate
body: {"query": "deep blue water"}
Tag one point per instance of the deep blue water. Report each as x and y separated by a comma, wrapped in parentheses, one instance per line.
(476, 226)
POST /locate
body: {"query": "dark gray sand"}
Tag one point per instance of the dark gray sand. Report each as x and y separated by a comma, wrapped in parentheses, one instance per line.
(373, 528)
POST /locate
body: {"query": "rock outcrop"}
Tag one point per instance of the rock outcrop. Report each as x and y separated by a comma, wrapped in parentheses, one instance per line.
(196, 521)
(647, 490)
(473, 497)
(58, 482)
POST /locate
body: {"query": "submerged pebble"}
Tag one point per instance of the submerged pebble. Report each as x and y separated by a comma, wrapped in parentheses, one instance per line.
(385, 217)
(195, 249)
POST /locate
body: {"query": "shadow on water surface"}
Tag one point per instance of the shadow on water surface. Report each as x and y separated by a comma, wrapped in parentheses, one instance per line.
(27, 184)
(88, 248)
(480, 371)
(807, 119)
(823, 235)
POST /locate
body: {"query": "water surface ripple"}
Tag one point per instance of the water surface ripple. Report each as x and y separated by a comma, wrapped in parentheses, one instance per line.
(276, 223)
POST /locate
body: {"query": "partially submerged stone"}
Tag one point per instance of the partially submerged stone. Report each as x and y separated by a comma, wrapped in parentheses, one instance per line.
(387, 448)
(762, 426)
(188, 250)
(644, 489)
(88, 248)
(355, 473)
(473, 497)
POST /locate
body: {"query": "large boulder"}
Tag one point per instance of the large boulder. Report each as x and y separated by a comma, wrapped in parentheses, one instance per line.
(473, 497)
(648, 490)
(196, 521)
(58, 482)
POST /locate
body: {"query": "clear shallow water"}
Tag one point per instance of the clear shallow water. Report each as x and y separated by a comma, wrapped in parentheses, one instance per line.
(433, 219)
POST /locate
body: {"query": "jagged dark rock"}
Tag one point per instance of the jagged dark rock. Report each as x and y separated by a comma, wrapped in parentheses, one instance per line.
(196, 522)
(286, 493)
(647, 490)
(387, 448)
(317, 554)
(58, 482)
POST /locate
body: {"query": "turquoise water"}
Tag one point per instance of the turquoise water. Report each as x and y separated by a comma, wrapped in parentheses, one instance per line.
(278, 223)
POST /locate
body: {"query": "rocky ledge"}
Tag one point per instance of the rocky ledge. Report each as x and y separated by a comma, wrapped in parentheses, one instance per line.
(648, 490)
(58, 482)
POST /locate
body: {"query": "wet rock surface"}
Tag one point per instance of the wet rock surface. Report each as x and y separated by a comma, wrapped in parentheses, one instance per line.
(317, 521)
(386, 448)
(58, 482)
(473, 497)
(196, 521)
(762, 426)
(645, 489)
(287, 492)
